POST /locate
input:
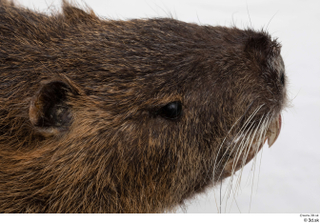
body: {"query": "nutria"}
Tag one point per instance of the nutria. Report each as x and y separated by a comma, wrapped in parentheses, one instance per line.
(101, 115)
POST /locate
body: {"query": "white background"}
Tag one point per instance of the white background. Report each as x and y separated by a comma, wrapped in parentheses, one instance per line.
(287, 177)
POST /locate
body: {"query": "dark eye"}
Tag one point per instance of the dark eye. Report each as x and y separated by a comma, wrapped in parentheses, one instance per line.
(171, 110)
(282, 78)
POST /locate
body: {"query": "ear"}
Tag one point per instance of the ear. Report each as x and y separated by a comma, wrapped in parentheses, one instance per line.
(49, 111)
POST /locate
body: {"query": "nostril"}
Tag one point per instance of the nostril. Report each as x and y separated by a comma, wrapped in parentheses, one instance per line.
(282, 78)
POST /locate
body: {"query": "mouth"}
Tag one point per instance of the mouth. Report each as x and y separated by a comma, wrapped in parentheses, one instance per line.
(246, 155)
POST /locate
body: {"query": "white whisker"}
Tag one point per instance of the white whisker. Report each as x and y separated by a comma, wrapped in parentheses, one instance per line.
(242, 144)
(263, 131)
(259, 143)
(236, 137)
(246, 143)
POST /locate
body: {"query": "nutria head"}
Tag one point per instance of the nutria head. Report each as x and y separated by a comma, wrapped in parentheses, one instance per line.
(128, 116)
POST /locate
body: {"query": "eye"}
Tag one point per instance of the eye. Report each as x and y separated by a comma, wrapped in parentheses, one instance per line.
(282, 78)
(171, 110)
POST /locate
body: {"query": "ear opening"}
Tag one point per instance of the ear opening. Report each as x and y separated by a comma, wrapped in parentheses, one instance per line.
(49, 111)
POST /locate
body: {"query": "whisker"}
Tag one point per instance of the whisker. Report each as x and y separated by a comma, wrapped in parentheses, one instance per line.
(254, 135)
(271, 20)
(259, 131)
(258, 144)
(232, 128)
(224, 141)
(241, 151)
(258, 135)
(263, 133)
(237, 135)
(241, 147)
(246, 136)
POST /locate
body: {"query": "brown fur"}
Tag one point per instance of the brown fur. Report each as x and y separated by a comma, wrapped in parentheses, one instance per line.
(80, 128)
